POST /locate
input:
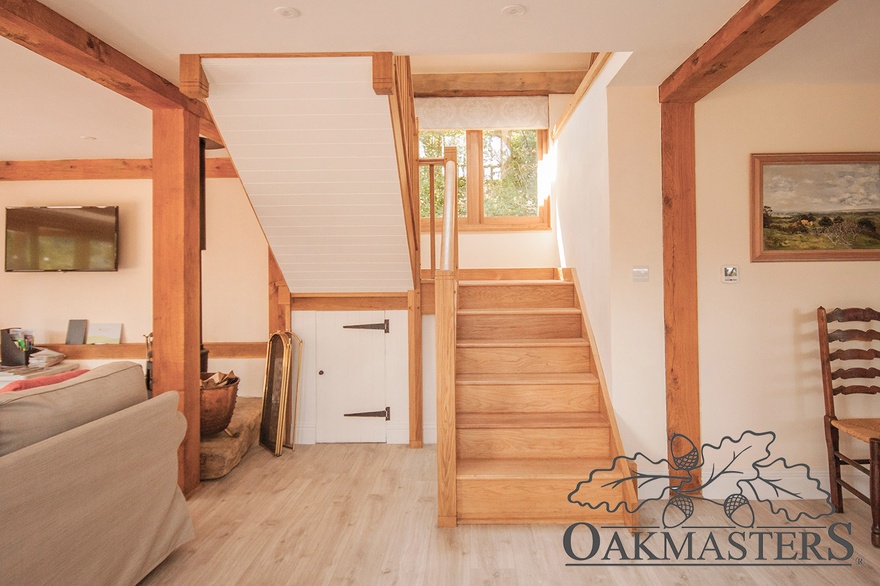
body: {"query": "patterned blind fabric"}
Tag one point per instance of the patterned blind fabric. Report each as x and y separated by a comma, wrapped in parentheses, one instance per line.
(477, 113)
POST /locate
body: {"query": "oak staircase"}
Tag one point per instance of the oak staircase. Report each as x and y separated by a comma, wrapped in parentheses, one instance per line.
(532, 418)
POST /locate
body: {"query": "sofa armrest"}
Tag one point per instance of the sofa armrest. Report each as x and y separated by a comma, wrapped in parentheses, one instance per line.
(97, 504)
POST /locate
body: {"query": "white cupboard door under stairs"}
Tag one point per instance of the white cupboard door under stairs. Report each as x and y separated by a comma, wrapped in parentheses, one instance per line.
(351, 402)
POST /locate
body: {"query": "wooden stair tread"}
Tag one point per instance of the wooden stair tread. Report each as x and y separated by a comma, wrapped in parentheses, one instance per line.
(577, 378)
(515, 283)
(520, 274)
(530, 420)
(523, 311)
(497, 468)
(542, 342)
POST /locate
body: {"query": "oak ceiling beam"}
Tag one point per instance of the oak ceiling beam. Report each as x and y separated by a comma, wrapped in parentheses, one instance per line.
(84, 169)
(524, 83)
(193, 81)
(383, 73)
(50, 35)
(759, 26)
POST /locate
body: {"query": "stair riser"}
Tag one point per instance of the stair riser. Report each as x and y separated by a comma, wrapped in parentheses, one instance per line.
(527, 360)
(526, 398)
(515, 296)
(520, 500)
(592, 442)
(535, 326)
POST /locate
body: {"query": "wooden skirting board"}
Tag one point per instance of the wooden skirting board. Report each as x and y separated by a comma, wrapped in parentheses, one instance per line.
(348, 301)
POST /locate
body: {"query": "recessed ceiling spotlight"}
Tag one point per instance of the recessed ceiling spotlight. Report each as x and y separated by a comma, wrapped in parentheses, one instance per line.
(89, 137)
(513, 10)
(287, 12)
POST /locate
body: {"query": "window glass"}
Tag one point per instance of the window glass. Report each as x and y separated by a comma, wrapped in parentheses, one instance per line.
(510, 173)
(431, 144)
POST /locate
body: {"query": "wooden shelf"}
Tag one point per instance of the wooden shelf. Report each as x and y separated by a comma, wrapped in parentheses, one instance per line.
(99, 351)
(139, 351)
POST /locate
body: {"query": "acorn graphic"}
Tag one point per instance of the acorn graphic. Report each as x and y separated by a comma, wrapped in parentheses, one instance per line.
(739, 510)
(677, 511)
(684, 453)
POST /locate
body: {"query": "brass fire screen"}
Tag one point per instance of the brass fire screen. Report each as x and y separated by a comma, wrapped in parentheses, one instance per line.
(278, 423)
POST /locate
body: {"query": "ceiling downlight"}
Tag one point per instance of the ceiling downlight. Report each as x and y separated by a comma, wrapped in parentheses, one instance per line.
(513, 10)
(287, 12)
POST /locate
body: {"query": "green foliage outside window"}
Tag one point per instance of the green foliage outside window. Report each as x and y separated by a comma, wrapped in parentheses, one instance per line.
(510, 173)
(431, 144)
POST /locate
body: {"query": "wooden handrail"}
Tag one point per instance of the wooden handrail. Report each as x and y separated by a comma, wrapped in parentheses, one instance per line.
(448, 252)
(449, 239)
(405, 130)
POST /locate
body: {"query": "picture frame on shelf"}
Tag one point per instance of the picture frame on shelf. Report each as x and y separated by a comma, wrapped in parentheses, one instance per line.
(815, 207)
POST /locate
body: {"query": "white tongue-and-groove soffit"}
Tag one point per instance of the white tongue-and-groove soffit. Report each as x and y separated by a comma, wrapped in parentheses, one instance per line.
(314, 148)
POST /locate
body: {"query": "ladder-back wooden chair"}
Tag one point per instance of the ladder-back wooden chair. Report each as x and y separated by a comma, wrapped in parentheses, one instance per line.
(850, 360)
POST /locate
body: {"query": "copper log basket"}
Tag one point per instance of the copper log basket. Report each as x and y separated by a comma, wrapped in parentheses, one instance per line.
(217, 406)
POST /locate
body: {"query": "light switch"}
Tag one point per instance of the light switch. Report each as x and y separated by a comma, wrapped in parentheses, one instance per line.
(640, 274)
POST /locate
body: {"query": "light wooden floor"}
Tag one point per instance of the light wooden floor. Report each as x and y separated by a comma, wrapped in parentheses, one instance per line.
(366, 514)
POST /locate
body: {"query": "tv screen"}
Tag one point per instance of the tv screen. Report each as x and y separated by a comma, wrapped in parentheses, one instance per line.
(69, 238)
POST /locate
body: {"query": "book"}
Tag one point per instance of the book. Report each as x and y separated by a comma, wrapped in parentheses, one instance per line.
(76, 331)
(43, 357)
(104, 334)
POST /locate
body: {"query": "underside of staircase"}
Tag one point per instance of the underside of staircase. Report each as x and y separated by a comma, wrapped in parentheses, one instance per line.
(532, 417)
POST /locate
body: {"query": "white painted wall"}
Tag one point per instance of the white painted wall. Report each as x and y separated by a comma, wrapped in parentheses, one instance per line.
(759, 359)
(581, 202)
(235, 279)
(45, 302)
(500, 250)
(758, 348)
(637, 340)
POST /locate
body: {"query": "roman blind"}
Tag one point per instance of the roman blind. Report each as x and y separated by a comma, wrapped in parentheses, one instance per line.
(515, 112)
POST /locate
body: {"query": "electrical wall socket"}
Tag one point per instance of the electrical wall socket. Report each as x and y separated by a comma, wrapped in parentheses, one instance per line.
(730, 274)
(640, 274)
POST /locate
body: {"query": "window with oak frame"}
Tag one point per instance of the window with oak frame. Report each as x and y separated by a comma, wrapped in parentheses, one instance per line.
(498, 186)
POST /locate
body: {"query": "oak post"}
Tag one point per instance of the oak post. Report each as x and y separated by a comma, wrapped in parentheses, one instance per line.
(279, 298)
(447, 504)
(177, 274)
(414, 305)
(383, 73)
(680, 274)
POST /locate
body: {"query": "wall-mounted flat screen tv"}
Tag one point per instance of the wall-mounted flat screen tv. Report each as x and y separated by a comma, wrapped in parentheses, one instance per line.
(62, 238)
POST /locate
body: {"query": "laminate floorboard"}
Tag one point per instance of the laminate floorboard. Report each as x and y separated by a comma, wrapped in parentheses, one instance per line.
(365, 514)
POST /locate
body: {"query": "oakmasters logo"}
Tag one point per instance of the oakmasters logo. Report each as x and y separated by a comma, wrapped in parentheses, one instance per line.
(742, 469)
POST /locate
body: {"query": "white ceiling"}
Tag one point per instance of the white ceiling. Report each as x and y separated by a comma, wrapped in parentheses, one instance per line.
(44, 109)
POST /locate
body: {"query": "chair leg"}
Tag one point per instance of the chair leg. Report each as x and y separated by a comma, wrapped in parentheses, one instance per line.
(832, 440)
(875, 492)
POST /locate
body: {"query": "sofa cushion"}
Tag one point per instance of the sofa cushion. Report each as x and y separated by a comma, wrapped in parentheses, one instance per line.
(30, 416)
(42, 381)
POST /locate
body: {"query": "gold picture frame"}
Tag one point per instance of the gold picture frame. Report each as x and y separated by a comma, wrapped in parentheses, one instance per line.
(277, 415)
(815, 207)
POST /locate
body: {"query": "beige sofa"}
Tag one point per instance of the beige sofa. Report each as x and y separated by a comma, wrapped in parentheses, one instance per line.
(88, 480)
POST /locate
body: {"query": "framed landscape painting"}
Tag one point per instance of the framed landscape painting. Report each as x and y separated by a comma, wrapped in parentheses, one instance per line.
(815, 206)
